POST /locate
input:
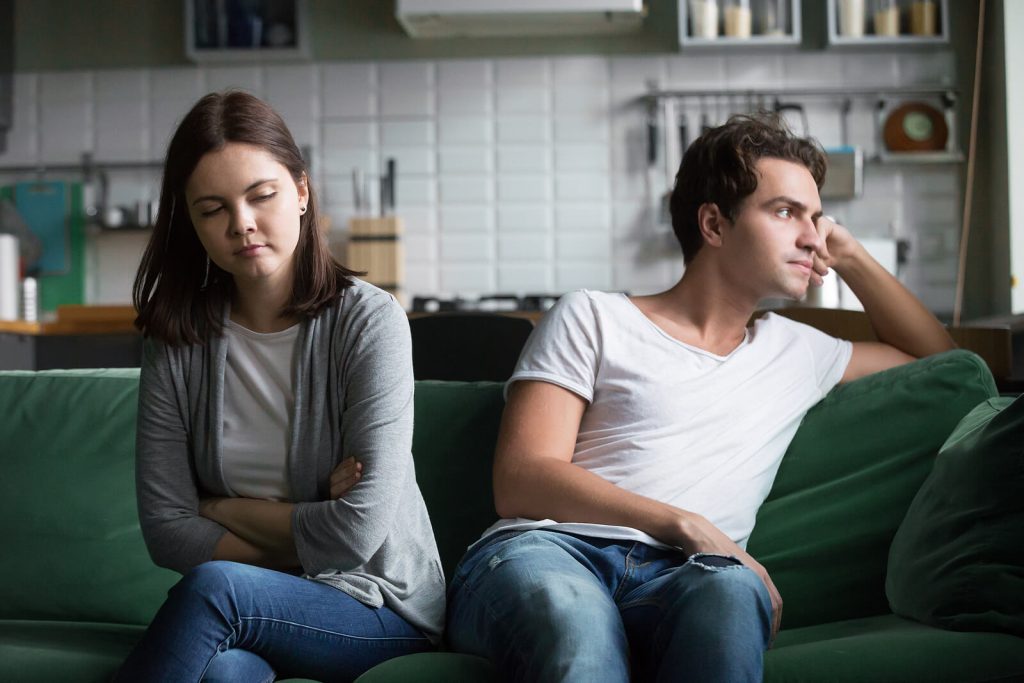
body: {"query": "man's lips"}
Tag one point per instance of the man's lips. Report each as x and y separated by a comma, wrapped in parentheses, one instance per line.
(802, 265)
(249, 249)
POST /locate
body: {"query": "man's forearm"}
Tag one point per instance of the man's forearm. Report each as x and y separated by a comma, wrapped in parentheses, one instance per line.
(547, 488)
(897, 316)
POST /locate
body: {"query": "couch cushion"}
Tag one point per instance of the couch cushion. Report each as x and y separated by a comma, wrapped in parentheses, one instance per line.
(47, 651)
(958, 558)
(888, 648)
(72, 545)
(881, 648)
(453, 444)
(449, 667)
(847, 480)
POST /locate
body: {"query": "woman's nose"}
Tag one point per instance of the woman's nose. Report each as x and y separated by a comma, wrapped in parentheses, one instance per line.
(242, 222)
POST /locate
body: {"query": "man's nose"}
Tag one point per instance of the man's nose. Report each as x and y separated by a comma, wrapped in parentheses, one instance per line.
(809, 237)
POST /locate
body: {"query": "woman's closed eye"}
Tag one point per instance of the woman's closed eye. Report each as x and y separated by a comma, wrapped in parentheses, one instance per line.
(265, 197)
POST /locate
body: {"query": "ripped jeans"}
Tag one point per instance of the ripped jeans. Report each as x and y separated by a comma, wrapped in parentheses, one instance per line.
(552, 606)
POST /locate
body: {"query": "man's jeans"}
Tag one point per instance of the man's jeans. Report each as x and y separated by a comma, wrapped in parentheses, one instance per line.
(551, 606)
(226, 621)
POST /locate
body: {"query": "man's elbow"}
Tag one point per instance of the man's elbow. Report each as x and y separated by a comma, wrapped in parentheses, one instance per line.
(506, 488)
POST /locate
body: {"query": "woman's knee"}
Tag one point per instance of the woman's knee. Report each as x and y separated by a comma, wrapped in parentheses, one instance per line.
(213, 579)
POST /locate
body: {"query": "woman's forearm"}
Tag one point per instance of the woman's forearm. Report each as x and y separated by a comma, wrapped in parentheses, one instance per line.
(264, 524)
(236, 549)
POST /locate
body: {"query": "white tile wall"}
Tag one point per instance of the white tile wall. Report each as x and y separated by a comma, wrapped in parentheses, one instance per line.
(515, 174)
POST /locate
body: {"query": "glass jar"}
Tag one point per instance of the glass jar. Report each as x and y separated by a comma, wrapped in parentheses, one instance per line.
(738, 19)
(773, 17)
(886, 17)
(924, 17)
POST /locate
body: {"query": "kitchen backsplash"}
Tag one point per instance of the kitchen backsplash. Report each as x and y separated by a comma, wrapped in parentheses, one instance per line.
(514, 175)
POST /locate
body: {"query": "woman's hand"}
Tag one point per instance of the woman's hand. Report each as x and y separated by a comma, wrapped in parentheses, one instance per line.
(345, 476)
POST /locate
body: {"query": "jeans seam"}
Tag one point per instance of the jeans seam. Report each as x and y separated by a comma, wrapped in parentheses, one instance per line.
(333, 633)
(626, 574)
(235, 628)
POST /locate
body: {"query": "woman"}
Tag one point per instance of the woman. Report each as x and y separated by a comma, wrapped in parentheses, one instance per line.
(275, 423)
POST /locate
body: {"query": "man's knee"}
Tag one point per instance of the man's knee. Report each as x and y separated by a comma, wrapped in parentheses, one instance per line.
(727, 582)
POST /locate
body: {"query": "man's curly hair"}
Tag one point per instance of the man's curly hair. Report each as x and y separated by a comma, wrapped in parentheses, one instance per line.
(720, 168)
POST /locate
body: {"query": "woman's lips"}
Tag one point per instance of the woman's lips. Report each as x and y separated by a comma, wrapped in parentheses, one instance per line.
(250, 250)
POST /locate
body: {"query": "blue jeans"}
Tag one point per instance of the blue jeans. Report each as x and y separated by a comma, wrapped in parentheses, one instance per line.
(551, 606)
(226, 621)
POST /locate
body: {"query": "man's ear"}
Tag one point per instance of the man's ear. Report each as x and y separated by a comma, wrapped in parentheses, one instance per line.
(711, 222)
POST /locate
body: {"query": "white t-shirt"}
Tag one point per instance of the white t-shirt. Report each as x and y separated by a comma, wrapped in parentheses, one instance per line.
(258, 401)
(673, 422)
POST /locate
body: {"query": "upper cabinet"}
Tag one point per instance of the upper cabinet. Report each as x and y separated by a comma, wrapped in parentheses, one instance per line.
(736, 23)
(246, 30)
(887, 22)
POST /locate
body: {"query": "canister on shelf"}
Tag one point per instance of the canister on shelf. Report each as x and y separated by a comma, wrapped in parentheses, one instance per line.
(923, 17)
(851, 18)
(703, 18)
(886, 17)
(737, 18)
(772, 17)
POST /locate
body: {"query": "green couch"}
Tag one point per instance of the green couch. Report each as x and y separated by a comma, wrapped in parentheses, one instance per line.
(77, 586)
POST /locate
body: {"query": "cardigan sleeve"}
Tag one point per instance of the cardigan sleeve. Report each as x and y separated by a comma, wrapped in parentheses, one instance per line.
(176, 536)
(376, 425)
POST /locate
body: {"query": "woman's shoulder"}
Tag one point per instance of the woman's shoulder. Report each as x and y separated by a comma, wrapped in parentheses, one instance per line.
(363, 299)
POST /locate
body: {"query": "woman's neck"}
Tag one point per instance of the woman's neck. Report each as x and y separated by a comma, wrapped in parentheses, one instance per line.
(258, 307)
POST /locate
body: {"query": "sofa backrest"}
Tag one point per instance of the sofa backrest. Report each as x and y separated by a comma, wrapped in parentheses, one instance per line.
(72, 549)
(453, 440)
(847, 481)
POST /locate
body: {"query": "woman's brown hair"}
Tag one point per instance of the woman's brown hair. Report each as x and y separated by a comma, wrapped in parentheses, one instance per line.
(720, 168)
(178, 293)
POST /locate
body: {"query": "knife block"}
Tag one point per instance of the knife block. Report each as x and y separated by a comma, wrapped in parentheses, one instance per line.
(375, 246)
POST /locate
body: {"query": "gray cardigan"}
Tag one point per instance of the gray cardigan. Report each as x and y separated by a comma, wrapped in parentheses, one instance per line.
(353, 397)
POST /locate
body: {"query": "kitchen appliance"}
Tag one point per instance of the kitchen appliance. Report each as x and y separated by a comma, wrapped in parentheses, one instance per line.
(845, 176)
(493, 303)
(495, 18)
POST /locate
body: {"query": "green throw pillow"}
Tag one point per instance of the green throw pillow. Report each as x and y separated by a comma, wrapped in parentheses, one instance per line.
(957, 560)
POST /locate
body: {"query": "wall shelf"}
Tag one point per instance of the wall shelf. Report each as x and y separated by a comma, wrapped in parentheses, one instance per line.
(258, 30)
(690, 35)
(905, 38)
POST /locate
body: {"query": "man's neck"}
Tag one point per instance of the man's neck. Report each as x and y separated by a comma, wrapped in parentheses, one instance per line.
(700, 310)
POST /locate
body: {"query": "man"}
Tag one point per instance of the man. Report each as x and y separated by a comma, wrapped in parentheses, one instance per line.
(641, 434)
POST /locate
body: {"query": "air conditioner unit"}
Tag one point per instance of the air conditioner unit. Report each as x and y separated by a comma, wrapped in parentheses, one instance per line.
(494, 18)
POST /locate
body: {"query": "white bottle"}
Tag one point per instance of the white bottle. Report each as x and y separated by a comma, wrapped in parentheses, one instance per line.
(851, 18)
(704, 18)
(30, 300)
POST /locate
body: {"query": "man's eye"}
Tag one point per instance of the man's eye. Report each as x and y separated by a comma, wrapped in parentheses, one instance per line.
(784, 213)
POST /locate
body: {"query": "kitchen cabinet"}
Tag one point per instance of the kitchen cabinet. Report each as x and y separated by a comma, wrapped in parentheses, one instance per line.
(888, 23)
(730, 24)
(246, 30)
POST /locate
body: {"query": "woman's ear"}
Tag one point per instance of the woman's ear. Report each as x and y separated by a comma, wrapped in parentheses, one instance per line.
(303, 187)
(711, 222)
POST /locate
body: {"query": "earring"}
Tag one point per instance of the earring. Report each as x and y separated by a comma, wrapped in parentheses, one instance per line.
(302, 209)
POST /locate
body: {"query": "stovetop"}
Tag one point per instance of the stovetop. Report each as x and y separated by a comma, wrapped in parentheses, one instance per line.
(488, 303)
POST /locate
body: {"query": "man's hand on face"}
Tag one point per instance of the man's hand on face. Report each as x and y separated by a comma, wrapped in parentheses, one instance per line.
(837, 245)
